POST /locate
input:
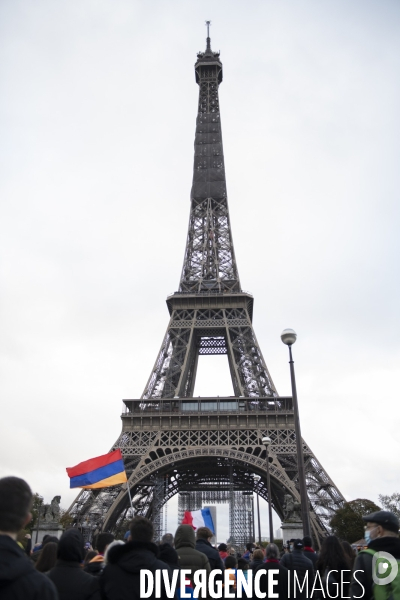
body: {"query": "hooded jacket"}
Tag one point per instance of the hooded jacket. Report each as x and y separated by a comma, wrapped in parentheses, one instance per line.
(363, 564)
(121, 576)
(67, 575)
(19, 579)
(188, 556)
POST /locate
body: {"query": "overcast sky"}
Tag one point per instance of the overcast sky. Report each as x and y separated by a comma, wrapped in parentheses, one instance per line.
(97, 116)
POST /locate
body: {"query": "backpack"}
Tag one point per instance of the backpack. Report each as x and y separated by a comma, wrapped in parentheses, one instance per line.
(387, 591)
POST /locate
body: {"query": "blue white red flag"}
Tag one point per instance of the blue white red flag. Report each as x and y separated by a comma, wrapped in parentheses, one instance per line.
(199, 518)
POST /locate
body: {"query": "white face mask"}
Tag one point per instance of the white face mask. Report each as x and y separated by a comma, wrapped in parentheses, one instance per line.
(367, 535)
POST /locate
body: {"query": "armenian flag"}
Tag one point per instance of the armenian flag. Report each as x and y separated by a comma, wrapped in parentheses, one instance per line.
(99, 472)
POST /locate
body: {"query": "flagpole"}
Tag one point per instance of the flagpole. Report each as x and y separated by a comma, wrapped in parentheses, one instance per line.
(129, 494)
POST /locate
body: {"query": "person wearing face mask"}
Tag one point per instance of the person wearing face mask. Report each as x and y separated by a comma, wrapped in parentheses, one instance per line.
(381, 535)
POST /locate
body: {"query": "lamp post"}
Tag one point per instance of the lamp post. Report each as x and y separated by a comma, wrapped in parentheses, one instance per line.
(254, 521)
(288, 337)
(266, 441)
(257, 479)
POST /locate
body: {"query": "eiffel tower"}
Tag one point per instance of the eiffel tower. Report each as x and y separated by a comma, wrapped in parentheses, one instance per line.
(208, 450)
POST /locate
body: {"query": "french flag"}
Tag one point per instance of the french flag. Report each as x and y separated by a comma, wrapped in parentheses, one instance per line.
(199, 518)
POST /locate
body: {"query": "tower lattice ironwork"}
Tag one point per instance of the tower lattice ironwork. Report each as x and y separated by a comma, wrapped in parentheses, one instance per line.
(208, 449)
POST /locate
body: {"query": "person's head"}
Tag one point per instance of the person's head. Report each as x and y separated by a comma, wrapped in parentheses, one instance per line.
(307, 541)
(258, 554)
(184, 536)
(169, 555)
(104, 540)
(332, 555)
(250, 547)
(89, 555)
(141, 529)
(230, 562)
(204, 533)
(243, 564)
(107, 552)
(231, 551)
(272, 551)
(223, 548)
(15, 505)
(47, 558)
(167, 538)
(298, 544)
(71, 547)
(49, 539)
(382, 523)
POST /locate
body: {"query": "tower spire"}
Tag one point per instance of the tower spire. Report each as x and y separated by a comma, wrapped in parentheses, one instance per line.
(209, 262)
(208, 48)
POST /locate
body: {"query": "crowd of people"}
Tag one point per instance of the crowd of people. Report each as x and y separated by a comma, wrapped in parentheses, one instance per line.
(69, 569)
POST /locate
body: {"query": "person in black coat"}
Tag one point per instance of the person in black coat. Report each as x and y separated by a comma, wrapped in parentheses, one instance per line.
(71, 581)
(299, 568)
(121, 576)
(19, 580)
(203, 538)
(169, 555)
(309, 551)
(272, 563)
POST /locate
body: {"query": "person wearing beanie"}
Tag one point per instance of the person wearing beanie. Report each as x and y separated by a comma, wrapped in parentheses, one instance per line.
(381, 535)
(71, 581)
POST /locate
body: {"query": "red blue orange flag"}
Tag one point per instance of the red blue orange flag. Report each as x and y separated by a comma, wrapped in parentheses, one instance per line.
(99, 472)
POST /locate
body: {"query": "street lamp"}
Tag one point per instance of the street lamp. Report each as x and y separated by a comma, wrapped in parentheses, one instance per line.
(266, 441)
(257, 479)
(289, 337)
